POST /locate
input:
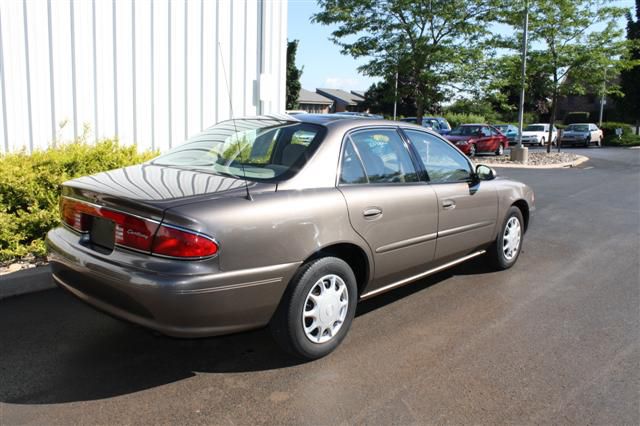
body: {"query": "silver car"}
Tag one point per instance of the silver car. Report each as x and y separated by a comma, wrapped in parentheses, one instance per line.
(281, 221)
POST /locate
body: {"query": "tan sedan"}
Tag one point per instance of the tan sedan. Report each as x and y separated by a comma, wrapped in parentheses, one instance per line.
(281, 221)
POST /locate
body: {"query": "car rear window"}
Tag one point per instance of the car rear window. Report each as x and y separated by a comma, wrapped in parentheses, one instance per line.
(255, 149)
(534, 129)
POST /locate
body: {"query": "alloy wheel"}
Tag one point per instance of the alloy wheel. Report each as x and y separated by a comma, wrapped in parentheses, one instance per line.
(325, 309)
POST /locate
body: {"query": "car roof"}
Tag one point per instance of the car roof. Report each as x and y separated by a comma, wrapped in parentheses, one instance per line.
(328, 118)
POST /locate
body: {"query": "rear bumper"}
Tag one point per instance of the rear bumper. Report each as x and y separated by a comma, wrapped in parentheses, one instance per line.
(176, 304)
(573, 141)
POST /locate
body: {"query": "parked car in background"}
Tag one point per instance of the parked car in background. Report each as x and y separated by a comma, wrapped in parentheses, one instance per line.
(509, 130)
(281, 221)
(438, 124)
(582, 134)
(473, 139)
(538, 134)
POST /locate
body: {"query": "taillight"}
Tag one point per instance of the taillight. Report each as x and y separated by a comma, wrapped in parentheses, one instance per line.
(173, 242)
(130, 231)
(138, 233)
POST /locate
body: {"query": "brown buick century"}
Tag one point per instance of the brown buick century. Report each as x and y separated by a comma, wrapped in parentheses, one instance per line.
(281, 221)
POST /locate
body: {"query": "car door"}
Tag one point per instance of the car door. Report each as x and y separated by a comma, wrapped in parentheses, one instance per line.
(467, 209)
(389, 205)
(485, 140)
(593, 133)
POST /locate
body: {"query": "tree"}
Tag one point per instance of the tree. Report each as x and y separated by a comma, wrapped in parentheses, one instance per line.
(380, 97)
(436, 44)
(575, 56)
(503, 88)
(631, 77)
(293, 75)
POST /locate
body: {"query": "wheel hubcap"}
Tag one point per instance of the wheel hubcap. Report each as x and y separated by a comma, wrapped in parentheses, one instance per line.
(511, 238)
(325, 309)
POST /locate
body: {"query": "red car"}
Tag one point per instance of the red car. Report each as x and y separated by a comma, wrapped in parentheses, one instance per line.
(476, 138)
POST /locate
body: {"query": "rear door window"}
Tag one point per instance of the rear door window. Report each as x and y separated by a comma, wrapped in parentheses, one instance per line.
(384, 157)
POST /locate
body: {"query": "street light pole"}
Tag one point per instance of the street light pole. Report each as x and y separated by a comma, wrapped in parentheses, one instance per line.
(520, 153)
(603, 98)
(395, 98)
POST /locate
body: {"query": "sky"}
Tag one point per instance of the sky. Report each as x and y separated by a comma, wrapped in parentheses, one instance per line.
(324, 66)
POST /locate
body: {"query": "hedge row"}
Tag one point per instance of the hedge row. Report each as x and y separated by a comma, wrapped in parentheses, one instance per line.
(30, 189)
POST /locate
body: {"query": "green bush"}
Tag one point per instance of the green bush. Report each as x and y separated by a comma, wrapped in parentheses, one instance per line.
(576, 117)
(457, 119)
(627, 138)
(30, 189)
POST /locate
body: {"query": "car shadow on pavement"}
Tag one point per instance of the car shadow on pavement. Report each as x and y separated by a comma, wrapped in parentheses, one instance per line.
(56, 349)
(475, 266)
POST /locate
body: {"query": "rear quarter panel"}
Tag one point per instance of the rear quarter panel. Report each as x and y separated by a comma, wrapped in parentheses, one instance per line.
(273, 228)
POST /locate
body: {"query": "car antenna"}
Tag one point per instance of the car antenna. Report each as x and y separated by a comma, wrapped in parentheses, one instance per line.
(233, 120)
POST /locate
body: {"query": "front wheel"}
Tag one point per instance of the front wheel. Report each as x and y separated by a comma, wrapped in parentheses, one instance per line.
(587, 142)
(542, 142)
(317, 309)
(505, 249)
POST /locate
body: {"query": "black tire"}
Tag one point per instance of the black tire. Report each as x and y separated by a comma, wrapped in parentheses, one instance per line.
(500, 150)
(542, 141)
(472, 150)
(287, 324)
(587, 142)
(496, 252)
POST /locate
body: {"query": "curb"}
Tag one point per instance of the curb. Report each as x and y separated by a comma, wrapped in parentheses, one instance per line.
(581, 159)
(26, 281)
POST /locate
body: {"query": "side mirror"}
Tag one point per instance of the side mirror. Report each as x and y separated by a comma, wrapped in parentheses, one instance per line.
(485, 172)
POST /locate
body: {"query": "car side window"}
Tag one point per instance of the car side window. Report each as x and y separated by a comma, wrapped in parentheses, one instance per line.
(351, 171)
(485, 132)
(443, 163)
(384, 156)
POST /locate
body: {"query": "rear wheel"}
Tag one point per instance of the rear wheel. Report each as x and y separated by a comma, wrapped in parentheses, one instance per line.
(500, 150)
(505, 250)
(472, 150)
(317, 309)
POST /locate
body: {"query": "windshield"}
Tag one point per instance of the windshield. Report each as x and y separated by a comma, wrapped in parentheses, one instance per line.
(256, 149)
(465, 131)
(534, 128)
(577, 128)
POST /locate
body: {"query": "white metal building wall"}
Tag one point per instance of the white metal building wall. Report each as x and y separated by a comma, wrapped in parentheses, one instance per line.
(150, 72)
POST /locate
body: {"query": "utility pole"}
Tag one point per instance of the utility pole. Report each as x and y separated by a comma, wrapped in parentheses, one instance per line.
(395, 98)
(520, 153)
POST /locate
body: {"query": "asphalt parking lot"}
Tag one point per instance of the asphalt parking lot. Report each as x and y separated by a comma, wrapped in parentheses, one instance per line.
(556, 339)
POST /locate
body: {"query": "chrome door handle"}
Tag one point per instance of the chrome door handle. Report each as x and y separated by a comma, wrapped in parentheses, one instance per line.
(372, 212)
(448, 204)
